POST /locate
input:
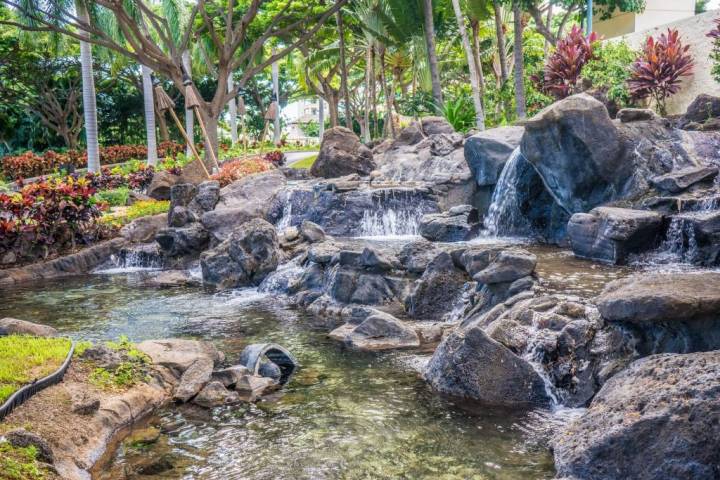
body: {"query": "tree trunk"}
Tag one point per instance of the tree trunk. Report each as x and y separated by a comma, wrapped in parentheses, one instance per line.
(389, 124)
(189, 114)
(476, 55)
(149, 107)
(321, 118)
(500, 34)
(373, 92)
(232, 110)
(343, 71)
(89, 101)
(518, 55)
(332, 99)
(432, 54)
(276, 96)
(211, 142)
(368, 98)
(474, 83)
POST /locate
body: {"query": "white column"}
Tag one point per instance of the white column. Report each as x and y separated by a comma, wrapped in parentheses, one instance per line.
(232, 108)
(321, 118)
(189, 117)
(276, 97)
(149, 103)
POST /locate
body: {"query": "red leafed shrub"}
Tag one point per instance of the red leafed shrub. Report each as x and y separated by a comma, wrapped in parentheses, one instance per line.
(46, 217)
(564, 66)
(237, 169)
(104, 179)
(658, 71)
(141, 179)
(30, 164)
(276, 157)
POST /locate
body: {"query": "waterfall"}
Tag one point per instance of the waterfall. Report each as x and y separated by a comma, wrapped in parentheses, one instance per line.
(390, 223)
(392, 215)
(504, 217)
(286, 219)
(139, 259)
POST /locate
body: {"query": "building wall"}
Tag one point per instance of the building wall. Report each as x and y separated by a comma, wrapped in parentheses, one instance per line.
(692, 32)
(657, 12)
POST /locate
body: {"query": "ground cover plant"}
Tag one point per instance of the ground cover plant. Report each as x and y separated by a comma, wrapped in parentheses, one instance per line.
(24, 359)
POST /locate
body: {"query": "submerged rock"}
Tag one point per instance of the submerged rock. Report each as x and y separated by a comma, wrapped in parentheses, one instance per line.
(214, 394)
(379, 331)
(193, 379)
(249, 254)
(657, 420)
(341, 153)
(469, 364)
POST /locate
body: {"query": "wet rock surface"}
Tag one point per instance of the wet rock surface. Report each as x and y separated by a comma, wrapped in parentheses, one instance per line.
(610, 234)
(457, 224)
(486, 152)
(341, 153)
(657, 419)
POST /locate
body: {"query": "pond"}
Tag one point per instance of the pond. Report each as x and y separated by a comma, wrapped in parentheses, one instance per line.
(345, 414)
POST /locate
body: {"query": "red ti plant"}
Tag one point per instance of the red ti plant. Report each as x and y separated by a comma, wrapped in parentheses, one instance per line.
(658, 71)
(564, 66)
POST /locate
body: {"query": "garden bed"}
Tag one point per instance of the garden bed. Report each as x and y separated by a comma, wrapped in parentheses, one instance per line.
(25, 359)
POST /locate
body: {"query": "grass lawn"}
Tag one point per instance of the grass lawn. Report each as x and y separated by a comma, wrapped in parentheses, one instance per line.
(21, 464)
(305, 162)
(23, 359)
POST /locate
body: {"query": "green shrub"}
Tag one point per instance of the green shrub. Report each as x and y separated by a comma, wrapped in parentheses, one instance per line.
(460, 113)
(117, 197)
(610, 70)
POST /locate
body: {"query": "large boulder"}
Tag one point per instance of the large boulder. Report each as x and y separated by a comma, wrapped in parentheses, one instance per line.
(658, 419)
(662, 297)
(486, 152)
(509, 265)
(249, 254)
(179, 354)
(248, 198)
(181, 195)
(457, 224)
(670, 312)
(341, 153)
(144, 229)
(587, 160)
(469, 364)
(610, 234)
(188, 240)
(702, 109)
(576, 149)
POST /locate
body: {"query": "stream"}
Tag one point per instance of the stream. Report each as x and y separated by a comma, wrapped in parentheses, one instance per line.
(345, 414)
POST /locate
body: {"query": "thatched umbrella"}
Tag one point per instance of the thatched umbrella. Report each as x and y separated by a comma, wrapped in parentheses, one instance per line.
(165, 103)
(242, 110)
(192, 101)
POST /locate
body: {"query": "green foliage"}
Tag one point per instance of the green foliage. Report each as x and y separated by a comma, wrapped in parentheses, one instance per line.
(25, 358)
(610, 70)
(129, 372)
(117, 197)
(715, 54)
(460, 113)
(311, 128)
(138, 209)
(20, 463)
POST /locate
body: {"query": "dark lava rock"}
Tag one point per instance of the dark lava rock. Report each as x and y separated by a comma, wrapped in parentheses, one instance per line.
(486, 152)
(378, 331)
(703, 108)
(610, 234)
(341, 153)
(679, 180)
(657, 420)
(181, 195)
(451, 226)
(188, 240)
(415, 256)
(468, 364)
(214, 394)
(435, 293)
(21, 438)
(627, 115)
(312, 232)
(508, 266)
(245, 258)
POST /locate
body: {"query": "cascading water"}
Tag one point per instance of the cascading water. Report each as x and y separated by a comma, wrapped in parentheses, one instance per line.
(392, 215)
(286, 218)
(136, 260)
(504, 217)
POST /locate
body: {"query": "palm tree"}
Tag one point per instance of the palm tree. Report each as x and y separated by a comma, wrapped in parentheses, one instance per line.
(189, 114)
(432, 53)
(518, 55)
(343, 71)
(500, 34)
(474, 82)
(232, 110)
(88, 91)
